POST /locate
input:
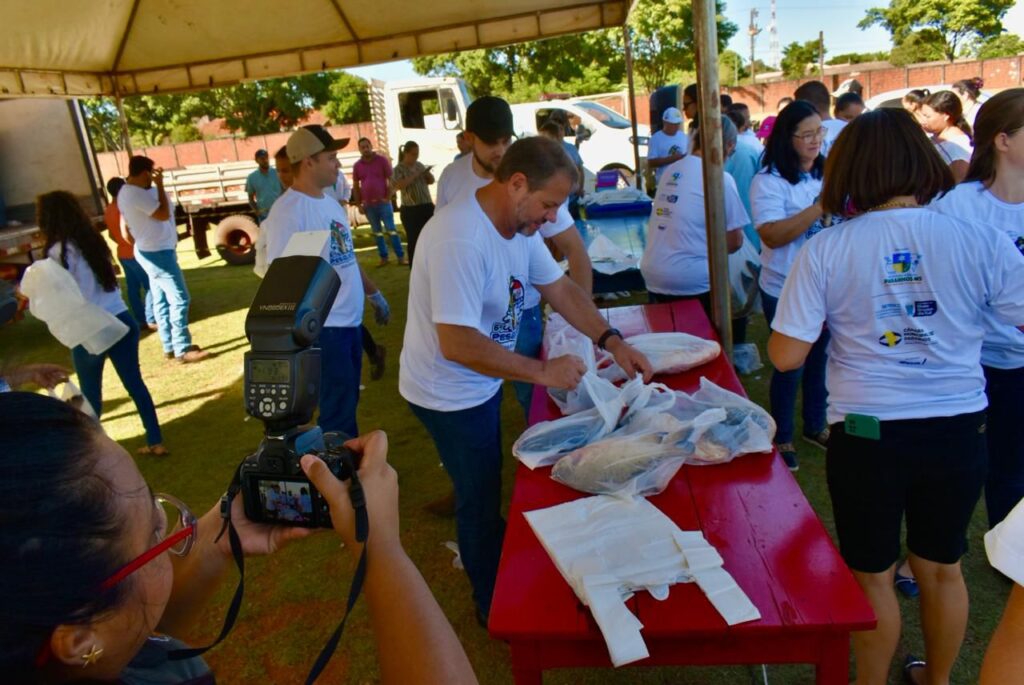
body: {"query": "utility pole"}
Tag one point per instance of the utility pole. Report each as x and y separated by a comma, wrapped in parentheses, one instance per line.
(821, 55)
(753, 30)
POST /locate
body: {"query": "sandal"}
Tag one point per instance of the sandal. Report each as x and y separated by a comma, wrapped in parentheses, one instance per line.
(910, 663)
(153, 450)
(907, 585)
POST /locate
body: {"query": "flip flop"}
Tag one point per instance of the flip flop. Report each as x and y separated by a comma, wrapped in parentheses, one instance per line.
(907, 585)
(909, 664)
(154, 450)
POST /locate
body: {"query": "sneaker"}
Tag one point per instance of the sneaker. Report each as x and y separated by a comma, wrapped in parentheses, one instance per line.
(402, 261)
(377, 363)
(192, 356)
(819, 439)
(383, 262)
(788, 452)
(168, 355)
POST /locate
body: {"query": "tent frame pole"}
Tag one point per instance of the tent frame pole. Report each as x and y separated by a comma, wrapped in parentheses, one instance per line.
(628, 45)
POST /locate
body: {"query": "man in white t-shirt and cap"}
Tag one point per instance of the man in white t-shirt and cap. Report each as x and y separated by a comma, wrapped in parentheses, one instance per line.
(313, 154)
(667, 145)
(466, 300)
(148, 216)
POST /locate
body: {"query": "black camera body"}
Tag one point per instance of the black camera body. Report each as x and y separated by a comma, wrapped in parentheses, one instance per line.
(282, 388)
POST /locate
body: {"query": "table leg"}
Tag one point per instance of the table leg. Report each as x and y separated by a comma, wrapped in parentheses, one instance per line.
(527, 676)
(833, 667)
(526, 668)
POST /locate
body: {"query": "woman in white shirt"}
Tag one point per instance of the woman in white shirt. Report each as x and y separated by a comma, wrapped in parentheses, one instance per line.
(72, 242)
(993, 195)
(902, 290)
(942, 116)
(969, 92)
(784, 202)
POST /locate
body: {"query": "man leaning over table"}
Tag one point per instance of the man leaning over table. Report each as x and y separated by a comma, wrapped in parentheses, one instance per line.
(466, 300)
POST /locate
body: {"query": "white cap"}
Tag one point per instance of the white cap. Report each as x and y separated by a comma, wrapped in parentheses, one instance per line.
(672, 115)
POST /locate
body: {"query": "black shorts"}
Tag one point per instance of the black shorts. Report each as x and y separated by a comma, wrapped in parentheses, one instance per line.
(931, 469)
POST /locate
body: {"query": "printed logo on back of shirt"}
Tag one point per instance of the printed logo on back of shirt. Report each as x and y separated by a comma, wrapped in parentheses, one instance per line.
(901, 267)
(663, 211)
(342, 249)
(674, 178)
(505, 331)
(908, 336)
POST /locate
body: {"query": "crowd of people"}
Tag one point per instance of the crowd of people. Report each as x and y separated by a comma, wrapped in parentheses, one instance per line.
(890, 259)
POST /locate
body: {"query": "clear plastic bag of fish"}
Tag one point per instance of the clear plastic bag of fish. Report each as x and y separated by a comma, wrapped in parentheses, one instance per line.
(746, 428)
(623, 466)
(542, 444)
(592, 391)
(667, 352)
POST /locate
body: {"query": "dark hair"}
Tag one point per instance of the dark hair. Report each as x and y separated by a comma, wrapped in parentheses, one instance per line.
(969, 87)
(847, 99)
(539, 159)
(816, 93)
(362, 139)
(61, 219)
(855, 87)
(725, 100)
(779, 154)
(138, 164)
(691, 92)
(114, 186)
(728, 134)
(740, 115)
(61, 532)
(788, 100)
(282, 152)
(402, 149)
(878, 156)
(916, 97)
(552, 128)
(946, 102)
(1002, 113)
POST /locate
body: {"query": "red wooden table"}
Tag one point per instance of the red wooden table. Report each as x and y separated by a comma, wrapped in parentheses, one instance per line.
(751, 510)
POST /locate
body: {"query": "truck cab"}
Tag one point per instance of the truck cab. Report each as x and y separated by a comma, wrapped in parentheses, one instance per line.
(429, 111)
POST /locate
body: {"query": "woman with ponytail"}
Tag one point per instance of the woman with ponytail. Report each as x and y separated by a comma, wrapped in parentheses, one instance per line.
(969, 92)
(942, 116)
(412, 179)
(993, 195)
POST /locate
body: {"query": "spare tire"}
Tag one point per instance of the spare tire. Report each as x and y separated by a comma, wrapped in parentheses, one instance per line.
(235, 239)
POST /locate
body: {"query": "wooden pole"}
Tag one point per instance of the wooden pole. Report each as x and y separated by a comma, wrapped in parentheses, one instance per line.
(627, 44)
(821, 57)
(126, 137)
(706, 34)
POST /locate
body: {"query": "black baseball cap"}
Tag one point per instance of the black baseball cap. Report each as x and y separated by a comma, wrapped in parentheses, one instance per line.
(490, 119)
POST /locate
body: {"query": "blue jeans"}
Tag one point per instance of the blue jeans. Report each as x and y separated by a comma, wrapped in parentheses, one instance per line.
(531, 333)
(784, 386)
(1005, 434)
(469, 442)
(384, 214)
(170, 298)
(341, 364)
(124, 354)
(140, 299)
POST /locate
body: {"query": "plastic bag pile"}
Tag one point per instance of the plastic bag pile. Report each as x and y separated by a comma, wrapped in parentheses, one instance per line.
(608, 548)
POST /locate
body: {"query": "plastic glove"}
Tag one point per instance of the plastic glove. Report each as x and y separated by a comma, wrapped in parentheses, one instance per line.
(381, 310)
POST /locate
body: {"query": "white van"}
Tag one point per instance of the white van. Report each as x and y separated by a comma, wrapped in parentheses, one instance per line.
(606, 142)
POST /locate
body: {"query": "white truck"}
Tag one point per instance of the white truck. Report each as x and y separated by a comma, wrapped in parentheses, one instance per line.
(432, 111)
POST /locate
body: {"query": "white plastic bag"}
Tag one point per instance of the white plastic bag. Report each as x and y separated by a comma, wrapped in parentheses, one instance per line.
(746, 358)
(668, 353)
(623, 466)
(746, 427)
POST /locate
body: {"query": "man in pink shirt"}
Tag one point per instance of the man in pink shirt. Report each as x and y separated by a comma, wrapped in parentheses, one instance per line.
(371, 179)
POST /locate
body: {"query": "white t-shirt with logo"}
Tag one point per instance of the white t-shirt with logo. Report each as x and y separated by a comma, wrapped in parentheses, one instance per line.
(832, 129)
(137, 206)
(466, 274)
(341, 190)
(902, 292)
(1004, 345)
(675, 261)
(296, 212)
(662, 145)
(563, 222)
(87, 282)
(773, 198)
(456, 179)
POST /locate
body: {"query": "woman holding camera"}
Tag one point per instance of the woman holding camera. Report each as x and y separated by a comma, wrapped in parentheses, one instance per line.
(73, 243)
(902, 290)
(93, 562)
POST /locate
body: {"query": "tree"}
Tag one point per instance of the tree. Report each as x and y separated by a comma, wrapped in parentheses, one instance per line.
(797, 57)
(272, 105)
(349, 100)
(955, 21)
(922, 46)
(858, 58)
(1004, 45)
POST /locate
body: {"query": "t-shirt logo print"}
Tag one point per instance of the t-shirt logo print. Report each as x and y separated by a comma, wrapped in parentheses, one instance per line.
(342, 250)
(505, 331)
(901, 267)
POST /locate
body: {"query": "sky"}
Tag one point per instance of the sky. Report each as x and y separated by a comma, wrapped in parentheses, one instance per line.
(796, 20)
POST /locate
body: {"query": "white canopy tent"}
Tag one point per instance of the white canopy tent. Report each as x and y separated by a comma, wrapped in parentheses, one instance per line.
(128, 47)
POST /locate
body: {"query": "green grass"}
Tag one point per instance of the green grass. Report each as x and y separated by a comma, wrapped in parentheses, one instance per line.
(295, 598)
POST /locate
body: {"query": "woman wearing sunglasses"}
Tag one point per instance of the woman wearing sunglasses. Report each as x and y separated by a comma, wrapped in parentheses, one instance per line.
(96, 569)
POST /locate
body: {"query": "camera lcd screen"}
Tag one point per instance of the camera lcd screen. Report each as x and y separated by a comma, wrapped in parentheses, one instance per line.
(269, 371)
(286, 500)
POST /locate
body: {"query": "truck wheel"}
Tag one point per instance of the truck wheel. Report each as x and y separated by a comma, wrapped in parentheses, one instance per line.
(235, 239)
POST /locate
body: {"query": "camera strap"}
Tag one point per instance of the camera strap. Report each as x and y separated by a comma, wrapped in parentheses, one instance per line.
(358, 499)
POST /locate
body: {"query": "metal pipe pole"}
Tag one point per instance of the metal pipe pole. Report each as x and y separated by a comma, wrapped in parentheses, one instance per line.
(126, 137)
(627, 44)
(706, 33)
(821, 57)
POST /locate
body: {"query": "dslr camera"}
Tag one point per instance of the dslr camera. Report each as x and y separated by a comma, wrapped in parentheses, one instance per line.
(282, 387)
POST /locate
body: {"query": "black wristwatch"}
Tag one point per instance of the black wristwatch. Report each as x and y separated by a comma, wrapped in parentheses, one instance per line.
(607, 334)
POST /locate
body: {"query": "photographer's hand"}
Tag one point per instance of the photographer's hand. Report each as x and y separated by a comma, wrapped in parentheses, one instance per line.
(380, 485)
(256, 538)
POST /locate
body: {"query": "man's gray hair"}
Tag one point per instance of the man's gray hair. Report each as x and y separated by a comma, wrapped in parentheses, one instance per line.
(538, 158)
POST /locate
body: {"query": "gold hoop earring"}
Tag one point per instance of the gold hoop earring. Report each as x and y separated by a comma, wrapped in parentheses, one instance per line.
(92, 657)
